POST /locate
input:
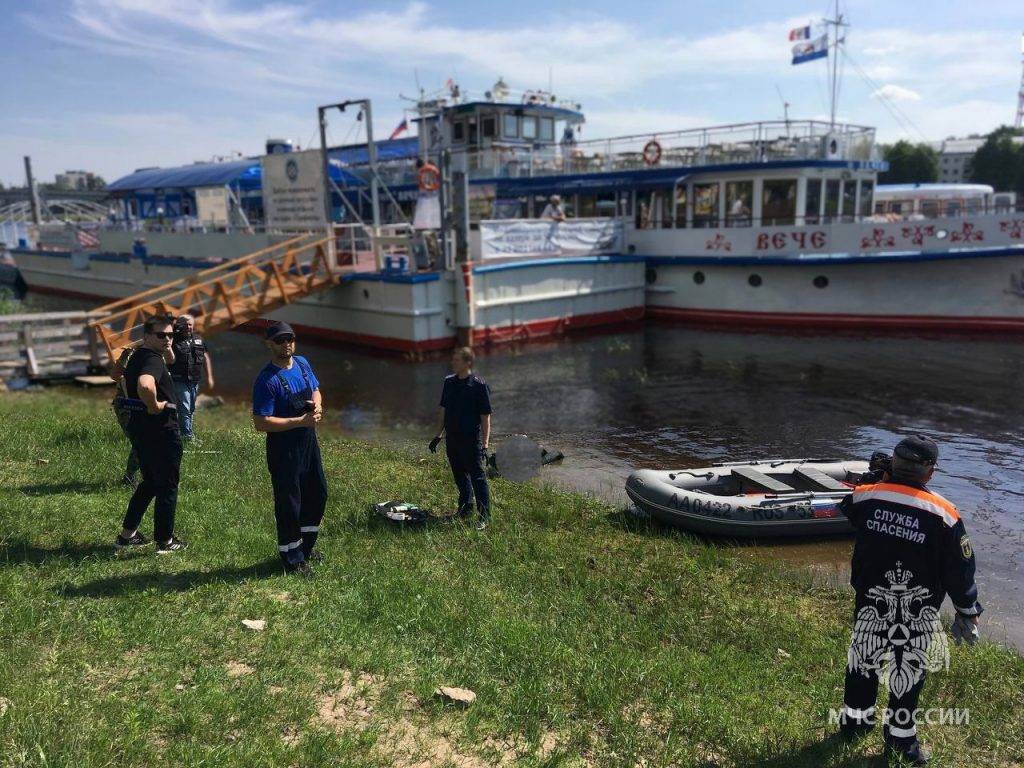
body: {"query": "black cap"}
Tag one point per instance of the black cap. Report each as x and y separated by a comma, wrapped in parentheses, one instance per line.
(278, 328)
(918, 449)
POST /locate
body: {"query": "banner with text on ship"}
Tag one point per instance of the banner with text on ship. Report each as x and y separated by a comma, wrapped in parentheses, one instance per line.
(578, 237)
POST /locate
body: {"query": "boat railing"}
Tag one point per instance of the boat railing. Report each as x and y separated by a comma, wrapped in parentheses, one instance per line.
(758, 142)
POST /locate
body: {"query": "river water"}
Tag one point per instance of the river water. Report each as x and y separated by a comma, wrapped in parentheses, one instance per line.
(665, 396)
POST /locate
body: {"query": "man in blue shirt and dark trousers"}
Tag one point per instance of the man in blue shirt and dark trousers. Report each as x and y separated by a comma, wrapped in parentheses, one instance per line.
(465, 420)
(286, 404)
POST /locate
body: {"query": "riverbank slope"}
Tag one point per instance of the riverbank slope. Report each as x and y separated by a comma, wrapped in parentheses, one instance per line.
(589, 638)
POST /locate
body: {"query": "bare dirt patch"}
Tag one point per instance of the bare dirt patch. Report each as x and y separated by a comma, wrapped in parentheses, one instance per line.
(238, 669)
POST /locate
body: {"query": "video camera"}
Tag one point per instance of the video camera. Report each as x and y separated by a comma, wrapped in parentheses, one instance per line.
(880, 462)
(180, 328)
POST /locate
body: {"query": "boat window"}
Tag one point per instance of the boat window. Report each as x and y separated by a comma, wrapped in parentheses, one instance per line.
(681, 207)
(705, 205)
(488, 127)
(973, 205)
(812, 204)
(954, 208)
(529, 127)
(867, 190)
(831, 199)
(459, 131)
(666, 209)
(510, 126)
(779, 204)
(849, 200)
(930, 209)
(739, 198)
(588, 206)
(605, 205)
(473, 131)
(547, 129)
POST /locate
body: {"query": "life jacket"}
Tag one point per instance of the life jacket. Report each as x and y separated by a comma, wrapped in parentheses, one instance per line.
(189, 360)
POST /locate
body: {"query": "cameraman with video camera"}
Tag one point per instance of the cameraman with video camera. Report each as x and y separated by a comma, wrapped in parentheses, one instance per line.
(192, 365)
(155, 437)
(287, 406)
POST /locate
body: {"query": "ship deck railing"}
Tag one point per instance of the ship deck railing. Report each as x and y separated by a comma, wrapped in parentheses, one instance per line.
(760, 142)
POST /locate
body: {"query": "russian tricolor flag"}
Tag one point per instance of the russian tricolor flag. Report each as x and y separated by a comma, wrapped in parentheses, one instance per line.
(800, 33)
(811, 50)
(401, 128)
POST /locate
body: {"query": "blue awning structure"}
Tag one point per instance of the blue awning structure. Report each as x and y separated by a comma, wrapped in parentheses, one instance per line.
(245, 175)
(387, 149)
(242, 173)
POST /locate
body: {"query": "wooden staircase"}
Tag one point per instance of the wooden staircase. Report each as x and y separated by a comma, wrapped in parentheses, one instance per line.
(224, 296)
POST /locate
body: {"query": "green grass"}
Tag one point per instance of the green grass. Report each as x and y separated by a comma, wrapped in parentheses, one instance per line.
(8, 304)
(589, 638)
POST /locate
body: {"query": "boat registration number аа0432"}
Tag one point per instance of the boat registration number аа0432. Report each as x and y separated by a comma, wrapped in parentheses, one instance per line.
(708, 507)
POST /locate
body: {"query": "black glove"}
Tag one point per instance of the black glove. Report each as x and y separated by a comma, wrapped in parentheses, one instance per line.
(434, 443)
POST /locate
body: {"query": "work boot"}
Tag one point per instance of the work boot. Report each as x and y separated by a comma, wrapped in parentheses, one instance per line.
(302, 570)
(315, 556)
(853, 731)
(910, 752)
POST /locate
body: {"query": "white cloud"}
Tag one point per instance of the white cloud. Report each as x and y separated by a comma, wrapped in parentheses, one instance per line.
(893, 92)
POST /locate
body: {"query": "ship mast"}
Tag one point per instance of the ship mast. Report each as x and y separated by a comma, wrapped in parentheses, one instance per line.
(838, 23)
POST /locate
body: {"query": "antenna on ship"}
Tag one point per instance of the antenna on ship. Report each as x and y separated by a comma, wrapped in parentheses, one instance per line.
(1019, 122)
(838, 22)
(785, 108)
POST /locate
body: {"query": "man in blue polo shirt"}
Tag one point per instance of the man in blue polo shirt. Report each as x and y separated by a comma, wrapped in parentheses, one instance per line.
(287, 406)
(465, 420)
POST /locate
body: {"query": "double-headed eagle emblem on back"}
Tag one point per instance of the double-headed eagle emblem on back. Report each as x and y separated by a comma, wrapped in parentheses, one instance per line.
(898, 630)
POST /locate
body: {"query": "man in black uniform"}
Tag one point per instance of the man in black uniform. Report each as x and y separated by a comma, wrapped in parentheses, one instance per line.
(465, 420)
(911, 550)
(192, 366)
(153, 430)
(287, 406)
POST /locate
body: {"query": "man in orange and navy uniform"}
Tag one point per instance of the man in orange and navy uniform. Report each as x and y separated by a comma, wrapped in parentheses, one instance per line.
(911, 550)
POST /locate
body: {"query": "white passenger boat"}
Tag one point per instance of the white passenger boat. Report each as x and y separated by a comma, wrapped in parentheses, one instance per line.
(756, 224)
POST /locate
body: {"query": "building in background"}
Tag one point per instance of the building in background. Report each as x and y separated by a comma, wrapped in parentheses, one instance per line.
(955, 158)
(74, 180)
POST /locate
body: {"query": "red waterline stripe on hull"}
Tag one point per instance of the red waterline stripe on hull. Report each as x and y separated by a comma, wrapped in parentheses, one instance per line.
(388, 343)
(537, 329)
(820, 320)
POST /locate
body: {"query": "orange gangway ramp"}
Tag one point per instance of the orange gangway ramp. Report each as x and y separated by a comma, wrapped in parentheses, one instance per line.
(224, 296)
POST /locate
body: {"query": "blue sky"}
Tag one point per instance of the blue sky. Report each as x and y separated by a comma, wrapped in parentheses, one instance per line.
(111, 85)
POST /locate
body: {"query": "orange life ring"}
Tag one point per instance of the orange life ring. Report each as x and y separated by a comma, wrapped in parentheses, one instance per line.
(429, 178)
(652, 152)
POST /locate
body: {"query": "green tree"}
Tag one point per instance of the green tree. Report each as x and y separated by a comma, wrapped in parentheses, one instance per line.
(910, 164)
(1000, 161)
(96, 182)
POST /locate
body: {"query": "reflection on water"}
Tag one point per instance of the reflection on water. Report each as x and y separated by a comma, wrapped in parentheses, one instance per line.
(671, 397)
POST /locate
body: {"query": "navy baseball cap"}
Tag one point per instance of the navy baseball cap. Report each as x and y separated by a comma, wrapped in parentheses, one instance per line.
(918, 449)
(278, 328)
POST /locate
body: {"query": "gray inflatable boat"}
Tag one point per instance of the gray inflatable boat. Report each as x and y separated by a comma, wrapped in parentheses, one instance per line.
(781, 497)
